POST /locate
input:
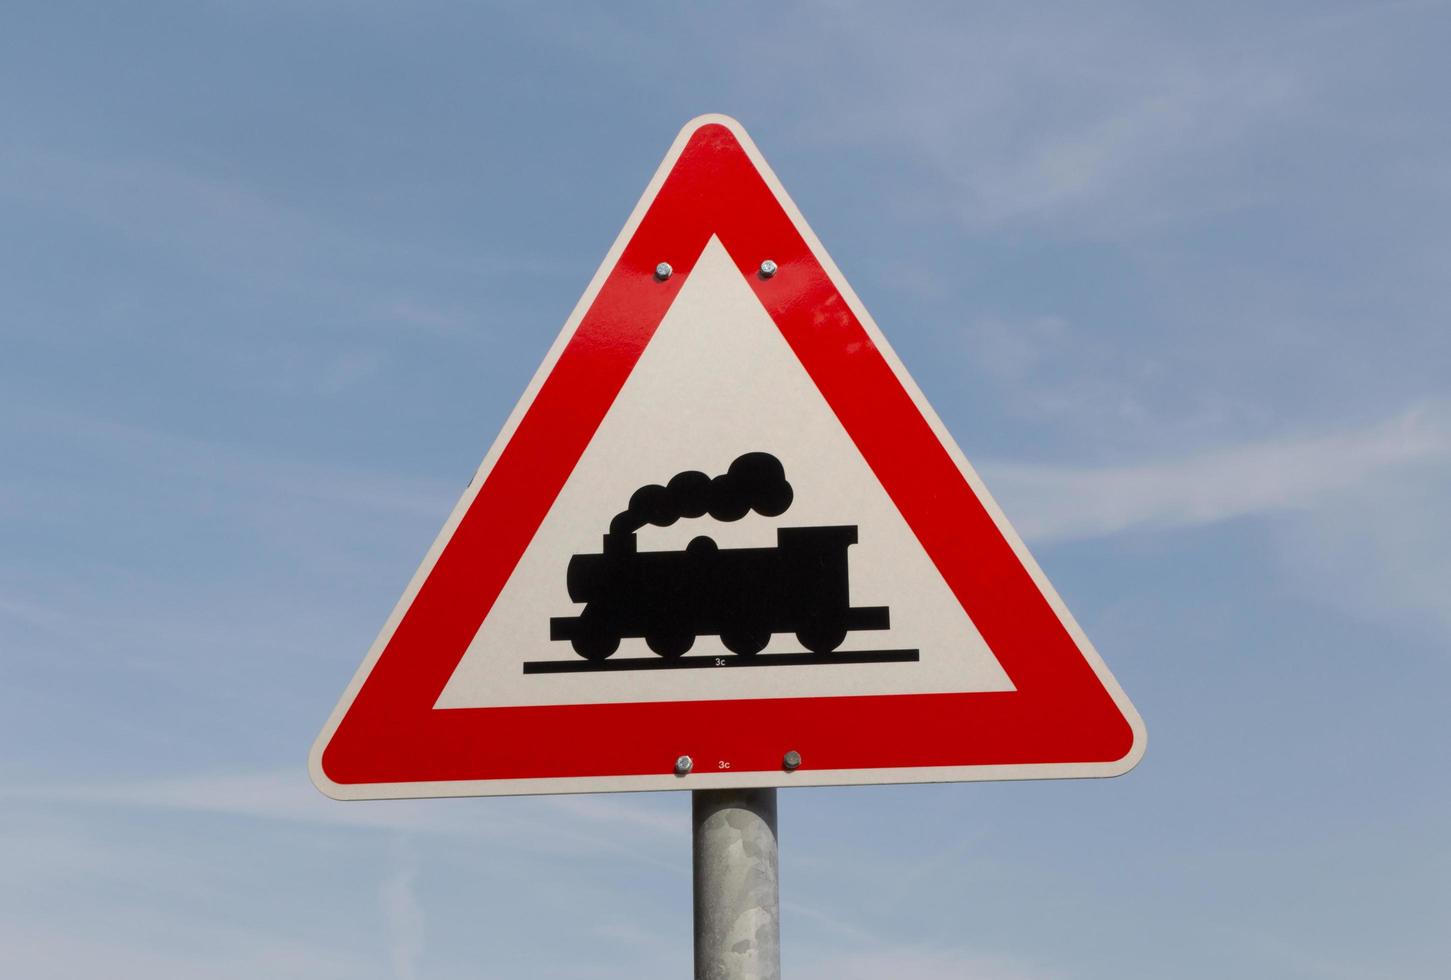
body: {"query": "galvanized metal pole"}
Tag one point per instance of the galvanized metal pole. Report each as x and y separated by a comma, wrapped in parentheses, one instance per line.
(737, 898)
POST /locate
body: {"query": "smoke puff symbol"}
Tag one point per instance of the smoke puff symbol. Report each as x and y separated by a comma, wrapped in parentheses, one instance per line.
(753, 482)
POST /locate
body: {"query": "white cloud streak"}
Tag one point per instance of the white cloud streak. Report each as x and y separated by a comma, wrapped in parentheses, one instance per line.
(921, 963)
(1359, 517)
(1084, 123)
(560, 824)
(403, 913)
(1056, 503)
(44, 952)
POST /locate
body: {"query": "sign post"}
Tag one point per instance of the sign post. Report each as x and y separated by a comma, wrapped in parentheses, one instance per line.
(736, 889)
(723, 544)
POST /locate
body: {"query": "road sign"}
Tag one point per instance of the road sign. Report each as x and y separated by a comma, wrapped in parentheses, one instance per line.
(722, 541)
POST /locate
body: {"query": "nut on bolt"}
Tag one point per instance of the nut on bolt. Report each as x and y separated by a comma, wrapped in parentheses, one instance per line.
(768, 269)
(791, 761)
(663, 271)
(683, 765)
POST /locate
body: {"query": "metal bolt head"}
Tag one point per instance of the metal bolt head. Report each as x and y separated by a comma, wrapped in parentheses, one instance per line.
(768, 269)
(683, 765)
(663, 271)
(792, 761)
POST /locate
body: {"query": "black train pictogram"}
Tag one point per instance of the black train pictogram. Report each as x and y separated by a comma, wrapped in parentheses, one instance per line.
(742, 595)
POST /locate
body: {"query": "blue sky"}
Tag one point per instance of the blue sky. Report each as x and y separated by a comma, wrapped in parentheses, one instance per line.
(272, 276)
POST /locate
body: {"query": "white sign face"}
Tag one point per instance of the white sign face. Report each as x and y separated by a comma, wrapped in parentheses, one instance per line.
(736, 388)
(723, 523)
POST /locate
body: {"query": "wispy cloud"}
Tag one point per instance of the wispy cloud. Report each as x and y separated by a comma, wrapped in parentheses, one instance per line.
(430, 319)
(1383, 552)
(213, 952)
(403, 913)
(236, 498)
(224, 220)
(257, 236)
(1048, 369)
(1360, 516)
(559, 824)
(1083, 123)
(193, 464)
(1052, 503)
(922, 963)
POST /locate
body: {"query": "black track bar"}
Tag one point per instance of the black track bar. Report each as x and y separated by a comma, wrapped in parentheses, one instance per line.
(727, 660)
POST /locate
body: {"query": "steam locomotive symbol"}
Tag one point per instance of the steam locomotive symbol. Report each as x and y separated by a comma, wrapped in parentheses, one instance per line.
(742, 595)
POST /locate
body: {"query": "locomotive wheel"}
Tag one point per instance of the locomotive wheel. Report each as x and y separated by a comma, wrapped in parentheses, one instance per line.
(746, 643)
(594, 638)
(595, 646)
(822, 639)
(671, 645)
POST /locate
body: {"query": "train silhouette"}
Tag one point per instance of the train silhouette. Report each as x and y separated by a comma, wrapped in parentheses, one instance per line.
(742, 595)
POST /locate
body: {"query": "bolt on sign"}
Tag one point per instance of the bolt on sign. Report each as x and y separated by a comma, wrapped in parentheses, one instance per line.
(722, 541)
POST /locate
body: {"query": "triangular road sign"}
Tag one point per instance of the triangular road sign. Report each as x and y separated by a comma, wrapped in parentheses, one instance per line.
(722, 523)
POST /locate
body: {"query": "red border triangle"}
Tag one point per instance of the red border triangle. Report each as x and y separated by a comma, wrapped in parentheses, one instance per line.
(1061, 711)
